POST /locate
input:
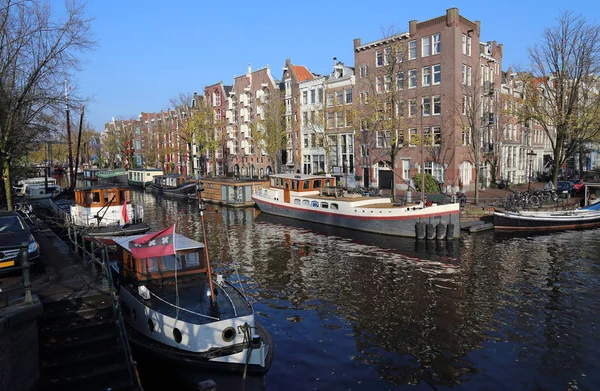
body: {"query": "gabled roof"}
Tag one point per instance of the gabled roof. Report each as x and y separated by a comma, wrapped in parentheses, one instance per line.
(302, 73)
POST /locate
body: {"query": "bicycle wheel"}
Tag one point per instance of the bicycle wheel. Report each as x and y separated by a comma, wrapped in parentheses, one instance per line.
(533, 202)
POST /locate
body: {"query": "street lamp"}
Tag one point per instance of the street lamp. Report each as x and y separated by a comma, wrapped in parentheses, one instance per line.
(530, 156)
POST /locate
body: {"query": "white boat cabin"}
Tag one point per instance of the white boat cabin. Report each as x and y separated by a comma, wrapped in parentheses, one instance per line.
(40, 192)
(143, 177)
(103, 206)
(302, 184)
(22, 185)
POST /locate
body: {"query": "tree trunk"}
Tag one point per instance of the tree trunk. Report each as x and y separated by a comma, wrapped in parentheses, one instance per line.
(7, 186)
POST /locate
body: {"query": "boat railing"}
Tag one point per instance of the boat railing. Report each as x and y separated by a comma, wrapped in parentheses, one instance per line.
(181, 308)
(59, 214)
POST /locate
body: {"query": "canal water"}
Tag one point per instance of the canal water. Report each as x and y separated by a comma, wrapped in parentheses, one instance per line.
(356, 311)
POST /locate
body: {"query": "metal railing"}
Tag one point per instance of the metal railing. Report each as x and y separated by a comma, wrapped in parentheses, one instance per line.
(96, 253)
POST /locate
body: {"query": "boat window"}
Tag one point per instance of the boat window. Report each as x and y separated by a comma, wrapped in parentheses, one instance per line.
(296, 201)
(306, 202)
(192, 259)
(151, 265)
(324, 205)
(294, 185)
(316, 183)
(334, 206)
(87, 199)
(168, 263)
(123, 196)
(315, 204)
(96, 196)
(306, 185)
(108, 196)
(272, 181)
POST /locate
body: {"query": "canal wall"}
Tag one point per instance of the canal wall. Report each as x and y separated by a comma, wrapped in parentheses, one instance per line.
(19, 355)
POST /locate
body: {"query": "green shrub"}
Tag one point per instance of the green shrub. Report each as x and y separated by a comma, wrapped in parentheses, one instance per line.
(431, 184)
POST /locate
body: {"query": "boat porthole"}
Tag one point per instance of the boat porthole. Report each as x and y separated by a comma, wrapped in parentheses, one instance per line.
(228, 334)
(133, 315)
(177, 335)
(150, 325)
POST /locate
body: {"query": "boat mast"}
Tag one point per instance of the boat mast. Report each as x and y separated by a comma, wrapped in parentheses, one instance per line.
(202, 207)
(422, 159)
(71, 176)
(78, 147)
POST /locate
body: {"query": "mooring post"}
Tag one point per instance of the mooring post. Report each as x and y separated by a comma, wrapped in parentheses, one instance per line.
(26, 280)
(83, 257)
(93, 257)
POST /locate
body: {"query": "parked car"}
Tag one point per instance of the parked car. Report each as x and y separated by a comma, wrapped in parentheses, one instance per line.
(14, 232)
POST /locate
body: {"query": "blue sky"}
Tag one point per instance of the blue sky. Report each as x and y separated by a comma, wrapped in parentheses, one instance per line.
(151, 51)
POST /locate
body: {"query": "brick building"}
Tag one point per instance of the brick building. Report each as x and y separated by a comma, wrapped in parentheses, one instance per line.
(435, 79)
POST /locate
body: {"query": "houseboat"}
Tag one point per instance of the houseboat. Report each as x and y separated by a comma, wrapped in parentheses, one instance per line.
(178, 312)
(107, 211)
(21, 187)
(174, 185)
(230, 191)
(112, 177)
(316, 198)
(90, 174)
(142, 177)
(41, 192)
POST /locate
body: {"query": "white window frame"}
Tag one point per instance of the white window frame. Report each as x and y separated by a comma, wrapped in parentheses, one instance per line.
(406, 169)
(412, 135)
(412, 50)
(426, 76)
(426, 46)
(436, 135)
(387, 55)
(468, 46)
(379, 84)
(380, 139)
(436, 44)
(412, 78)
(412, 108)
(400, 80)
(434, 73)
(379, 58)
(426, 105)
(436, 101)
(387, 83)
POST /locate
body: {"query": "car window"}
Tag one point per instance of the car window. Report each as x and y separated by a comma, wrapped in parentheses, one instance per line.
(11, 224)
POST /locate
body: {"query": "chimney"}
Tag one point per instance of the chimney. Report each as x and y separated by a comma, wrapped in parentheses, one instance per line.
(412, 28)
(356, 43)
(452, 16)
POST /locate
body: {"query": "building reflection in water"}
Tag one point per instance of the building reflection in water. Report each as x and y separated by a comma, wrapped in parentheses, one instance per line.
(364, 311)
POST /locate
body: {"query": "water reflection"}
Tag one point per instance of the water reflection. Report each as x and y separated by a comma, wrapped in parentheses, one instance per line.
(350, 310)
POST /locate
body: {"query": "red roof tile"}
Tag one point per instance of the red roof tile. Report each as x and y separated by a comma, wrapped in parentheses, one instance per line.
(302, 73)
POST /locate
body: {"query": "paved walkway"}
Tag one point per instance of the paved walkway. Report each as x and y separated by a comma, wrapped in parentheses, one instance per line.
(58, 273)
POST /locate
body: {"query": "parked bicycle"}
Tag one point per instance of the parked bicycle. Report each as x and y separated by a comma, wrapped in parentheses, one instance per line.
(25, 210)
(461, 198)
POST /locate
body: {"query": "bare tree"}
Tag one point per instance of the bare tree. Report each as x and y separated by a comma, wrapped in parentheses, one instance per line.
(38, 51)
(469, 108)
(561, 86)
(269, 131)
(381, 104)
